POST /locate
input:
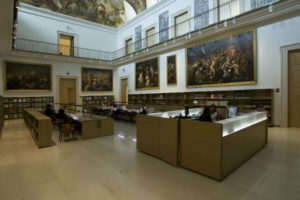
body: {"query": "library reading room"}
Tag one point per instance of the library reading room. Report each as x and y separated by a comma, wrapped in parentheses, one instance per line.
(150, 100)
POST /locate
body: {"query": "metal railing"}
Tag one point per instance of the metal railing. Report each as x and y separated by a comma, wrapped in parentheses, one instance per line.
(221, 13)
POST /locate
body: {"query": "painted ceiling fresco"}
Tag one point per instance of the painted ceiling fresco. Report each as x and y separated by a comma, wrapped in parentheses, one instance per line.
(106, 12)
(138, 5)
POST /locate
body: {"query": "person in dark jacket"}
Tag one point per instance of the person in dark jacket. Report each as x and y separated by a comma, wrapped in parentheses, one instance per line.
(205, 117)
(49, 111)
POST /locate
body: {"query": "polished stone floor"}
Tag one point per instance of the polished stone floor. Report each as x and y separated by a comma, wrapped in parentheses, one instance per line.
(111, 168)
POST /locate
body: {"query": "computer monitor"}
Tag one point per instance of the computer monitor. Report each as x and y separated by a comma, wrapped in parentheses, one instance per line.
(232, 111)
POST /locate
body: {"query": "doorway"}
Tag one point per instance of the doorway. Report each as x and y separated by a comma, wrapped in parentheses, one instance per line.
(294, 88)
(67, 90)
(124, 90)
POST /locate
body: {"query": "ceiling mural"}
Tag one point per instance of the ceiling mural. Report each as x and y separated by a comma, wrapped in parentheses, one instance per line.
(106, 12)
(138, 5)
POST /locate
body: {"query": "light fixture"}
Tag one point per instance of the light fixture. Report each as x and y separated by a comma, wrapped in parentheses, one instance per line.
(271, 8)
(234, 20)
(17, 5)
(225, 23)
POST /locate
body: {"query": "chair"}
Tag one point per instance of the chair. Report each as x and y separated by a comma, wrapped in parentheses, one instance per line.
(66, 131)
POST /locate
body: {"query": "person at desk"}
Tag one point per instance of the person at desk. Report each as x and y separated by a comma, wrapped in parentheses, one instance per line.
(49, 111)
(213, 112)
(144, 109)
(61, 114)
(205, 117)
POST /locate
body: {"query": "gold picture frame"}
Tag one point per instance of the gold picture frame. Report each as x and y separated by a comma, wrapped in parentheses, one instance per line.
(111, 82)
(158, 75)
(167, 67)
(216, 39)
(37, 65)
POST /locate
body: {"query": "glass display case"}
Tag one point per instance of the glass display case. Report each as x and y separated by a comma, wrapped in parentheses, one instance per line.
(243, 120)
(193, 112)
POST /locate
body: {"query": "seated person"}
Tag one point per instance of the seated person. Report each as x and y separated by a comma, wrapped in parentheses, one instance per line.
(61, 114)
(213, 112)
(49, 111)
(205, 117)
(144, 109)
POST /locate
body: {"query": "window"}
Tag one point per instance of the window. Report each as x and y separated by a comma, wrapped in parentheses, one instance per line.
(66, 45)
(182, 25)
(129, 46)
(229, 8)
(150, 37)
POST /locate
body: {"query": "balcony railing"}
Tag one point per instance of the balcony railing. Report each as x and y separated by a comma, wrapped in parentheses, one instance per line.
(221, 13)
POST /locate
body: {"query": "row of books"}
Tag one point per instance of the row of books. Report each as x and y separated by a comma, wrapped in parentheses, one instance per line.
(27, 99)
(89, 98)
(27, 105)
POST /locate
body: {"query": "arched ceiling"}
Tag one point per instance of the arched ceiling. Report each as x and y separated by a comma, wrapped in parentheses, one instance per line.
(107, 12)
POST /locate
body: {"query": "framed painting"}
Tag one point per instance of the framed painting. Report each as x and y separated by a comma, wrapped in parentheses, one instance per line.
(171, 70)
(96, 80)
(147, 74)
(225, 62)
(27, 77)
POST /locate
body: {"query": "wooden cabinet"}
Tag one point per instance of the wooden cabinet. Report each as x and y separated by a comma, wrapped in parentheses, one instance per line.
(1, 115)
(39, 126)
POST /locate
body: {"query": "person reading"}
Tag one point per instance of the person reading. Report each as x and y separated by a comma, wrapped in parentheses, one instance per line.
(205, 117)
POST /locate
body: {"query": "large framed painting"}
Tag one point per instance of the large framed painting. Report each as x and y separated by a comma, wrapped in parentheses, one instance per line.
(27, 77)
(93, 79)
(224, 62)
(147, 74)
(171, 70)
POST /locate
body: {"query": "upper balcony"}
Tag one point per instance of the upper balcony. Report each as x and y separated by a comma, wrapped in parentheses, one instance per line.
(218, 18)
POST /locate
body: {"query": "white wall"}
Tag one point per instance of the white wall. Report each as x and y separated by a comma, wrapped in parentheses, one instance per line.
(42, 25)
(59, 69)
(269, 40)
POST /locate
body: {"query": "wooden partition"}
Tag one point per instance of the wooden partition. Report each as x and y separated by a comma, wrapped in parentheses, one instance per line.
(39, 126)
(98, 127)
(200, 147)
(203, 149)
(1, 115)
(158, 137)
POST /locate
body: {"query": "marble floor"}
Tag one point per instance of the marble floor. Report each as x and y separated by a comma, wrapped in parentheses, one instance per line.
(111, 168)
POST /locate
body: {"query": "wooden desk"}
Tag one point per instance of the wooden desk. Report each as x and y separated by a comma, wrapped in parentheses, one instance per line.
(93, 126)
(217, 149)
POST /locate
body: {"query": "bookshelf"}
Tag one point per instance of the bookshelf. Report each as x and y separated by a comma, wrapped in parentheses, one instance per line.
(13, 106)
(39, 126)
(97, 100)
(243, 99)
(88, 101)
(1, 115)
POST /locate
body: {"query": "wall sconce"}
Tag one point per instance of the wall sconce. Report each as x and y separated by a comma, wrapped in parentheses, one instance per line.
(234, 21)
(225, 23)
(271, 8)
